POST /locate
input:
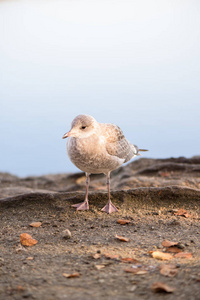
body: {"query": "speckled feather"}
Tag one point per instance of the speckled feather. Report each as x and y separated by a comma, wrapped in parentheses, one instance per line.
(99, 149)
(117, 144)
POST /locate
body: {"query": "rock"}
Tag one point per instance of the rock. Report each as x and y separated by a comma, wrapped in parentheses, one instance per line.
(137, 196)
(66, 234)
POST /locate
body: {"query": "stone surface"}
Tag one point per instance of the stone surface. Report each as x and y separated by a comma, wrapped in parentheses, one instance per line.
(147, 192)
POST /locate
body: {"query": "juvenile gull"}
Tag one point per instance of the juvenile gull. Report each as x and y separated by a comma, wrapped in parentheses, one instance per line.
(97, 148)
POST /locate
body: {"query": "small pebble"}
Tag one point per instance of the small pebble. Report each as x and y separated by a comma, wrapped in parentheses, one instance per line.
(174, 222)
(132, 288)
(61, 220)
(101, 280)
(27, 295)
(46, 223)
(66, 234)
(156, 213)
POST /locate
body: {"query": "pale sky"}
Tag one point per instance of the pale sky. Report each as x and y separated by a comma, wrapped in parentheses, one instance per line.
(133, 63)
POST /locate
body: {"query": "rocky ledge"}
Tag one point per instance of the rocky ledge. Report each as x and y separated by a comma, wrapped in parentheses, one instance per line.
(151, 245)
(181, 174)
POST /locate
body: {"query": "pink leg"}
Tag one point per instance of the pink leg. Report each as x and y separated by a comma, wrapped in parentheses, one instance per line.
(85, 204)
(109, 207)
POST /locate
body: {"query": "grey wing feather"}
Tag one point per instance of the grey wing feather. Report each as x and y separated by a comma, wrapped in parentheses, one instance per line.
(117, 144)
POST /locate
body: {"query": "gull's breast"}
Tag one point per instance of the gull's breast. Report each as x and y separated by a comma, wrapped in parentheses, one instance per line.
(90, 155)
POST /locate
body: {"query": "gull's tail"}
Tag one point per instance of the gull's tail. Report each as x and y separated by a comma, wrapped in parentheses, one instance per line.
(141, 150)
(136, 150)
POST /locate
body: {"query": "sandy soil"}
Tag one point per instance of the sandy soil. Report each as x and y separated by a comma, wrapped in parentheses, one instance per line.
(148, 193)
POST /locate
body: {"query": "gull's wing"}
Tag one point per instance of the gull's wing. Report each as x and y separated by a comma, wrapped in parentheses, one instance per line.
(116, 144)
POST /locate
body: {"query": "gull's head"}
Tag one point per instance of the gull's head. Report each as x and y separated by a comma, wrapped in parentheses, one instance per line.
(82, 126)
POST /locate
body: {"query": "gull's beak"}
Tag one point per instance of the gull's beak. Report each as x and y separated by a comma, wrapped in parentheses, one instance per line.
(66, 135)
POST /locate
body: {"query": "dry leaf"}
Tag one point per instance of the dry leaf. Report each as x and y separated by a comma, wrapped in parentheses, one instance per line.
(169, 270)
(96, 256)
(35, 224)
(121, 238)
(20, 248)
(129, 260)
(182, 212)
(20, 288)
(111, 256)
(27, 240)
(73, 275)
(159, 287)
(167, 243)
(123, 222)
(160, 255)
(141, 272)
(80, 180)
(183, 255)
(99, 267)
(137, 271)
(164, 174)
(173, 250)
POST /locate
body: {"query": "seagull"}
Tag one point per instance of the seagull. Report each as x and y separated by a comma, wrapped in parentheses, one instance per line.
(97, 148)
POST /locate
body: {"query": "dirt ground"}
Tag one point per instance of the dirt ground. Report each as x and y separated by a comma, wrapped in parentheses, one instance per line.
(148, 193)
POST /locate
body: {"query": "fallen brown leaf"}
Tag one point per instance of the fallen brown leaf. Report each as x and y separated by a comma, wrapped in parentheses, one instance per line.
(30, 258)
(111, 256)
(182, 212)
(99, 267)
(164, 174)
(123, 222)
(129, 260)
(173, 250)
(35, 224)
(160, 255)
(27, 240)
(73, 275)
(160, 287)
(20, 288)
(183, 255)
(96, 256)
(137, 271)
(80, 180)
(141, 272)
(169, 270)
(167, 243)
(20, 248)
(121, 238)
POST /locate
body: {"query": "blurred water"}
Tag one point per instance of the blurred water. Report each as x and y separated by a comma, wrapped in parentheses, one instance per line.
(132, 63)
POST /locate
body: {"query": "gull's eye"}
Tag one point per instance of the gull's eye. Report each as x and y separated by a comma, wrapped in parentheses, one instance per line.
(83, 127)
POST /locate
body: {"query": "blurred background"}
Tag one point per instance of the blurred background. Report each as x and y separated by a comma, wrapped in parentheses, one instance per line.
(132, 63)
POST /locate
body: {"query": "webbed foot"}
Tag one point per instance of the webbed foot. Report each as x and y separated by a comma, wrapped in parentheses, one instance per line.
(82, 206)
(109, 208)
